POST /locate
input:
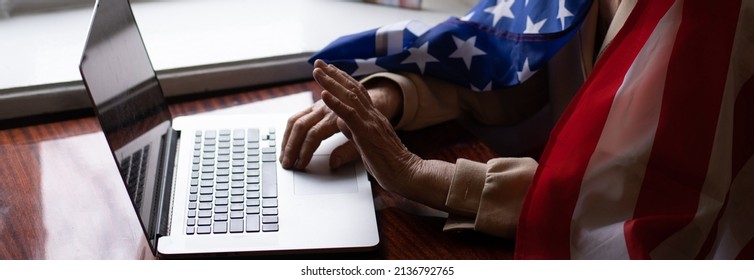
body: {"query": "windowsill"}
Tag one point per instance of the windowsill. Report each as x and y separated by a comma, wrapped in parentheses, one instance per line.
(195, 46)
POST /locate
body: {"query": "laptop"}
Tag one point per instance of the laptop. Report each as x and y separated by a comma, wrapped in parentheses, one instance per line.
(213, 184)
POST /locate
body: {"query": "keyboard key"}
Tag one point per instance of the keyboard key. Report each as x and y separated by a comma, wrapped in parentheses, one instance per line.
(270, 203)
(236, 226)
(236, 184)
(252, 187)
(223, 152)
(224, 145)
(253, 151)
(252, 210)
(208, 162)
(209, 143)
(268, 150)
(269, 157)
(271, 130)
(194, 175)
(195, 160)
(221, 201)
(236, 207)
(221, 194)
(238, 163)
(203, 230)
(221, 187)
(270, 227)
(192, 197)
(252, 166)
(209, 134)
(194, 182)
(238, 134)
(205, 206)
(252, 159)
(236, 199)
(192, 205)
(224, 132)
(236, 214)
(252, 173)
(192, 213)
(269, 219)
(190, 222)
(252, 180)
(220, 227)
(237, 177)
(208, 155)
(223, 165)
(269, 211)
(209, 149)
(224, 138)
(237, 170)
(252, 223)
(195, 167)
(272, 143)
(207, 176)
(190, 230)
(252, 135)
(238, 156)
(206, 191)
(221, 209)
(207, 183)
(223, 172)
(235, 192)
(194, 190)
(205, 198)
(238, 142)
(208, 169)
(251, 195)
(221, 217)
(253, 202)
(222, 179)
(269, 180)
(205, 213)
(204, 222)
(223, 158)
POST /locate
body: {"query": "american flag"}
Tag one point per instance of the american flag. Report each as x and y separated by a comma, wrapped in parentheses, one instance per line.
(653, 157)
(499, 43)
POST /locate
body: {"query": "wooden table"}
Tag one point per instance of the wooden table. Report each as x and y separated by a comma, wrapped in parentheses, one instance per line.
(61, 196)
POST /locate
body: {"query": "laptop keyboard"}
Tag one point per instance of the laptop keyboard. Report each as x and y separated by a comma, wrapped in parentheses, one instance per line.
(233, 182)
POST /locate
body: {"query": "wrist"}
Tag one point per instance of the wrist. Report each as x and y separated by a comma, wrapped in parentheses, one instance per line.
(387, 97)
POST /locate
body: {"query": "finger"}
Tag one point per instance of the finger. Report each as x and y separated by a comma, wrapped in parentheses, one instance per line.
(314, 137)
(289, 127)
(349, 82)
(346, 96)
(343, 155)
(299, 128)
(346, 113)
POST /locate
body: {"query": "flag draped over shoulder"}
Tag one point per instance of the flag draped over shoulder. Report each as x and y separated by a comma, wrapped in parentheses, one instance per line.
(498, 44)
(653, 157)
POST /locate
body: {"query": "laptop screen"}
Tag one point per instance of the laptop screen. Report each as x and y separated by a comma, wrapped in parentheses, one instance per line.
(129, 103)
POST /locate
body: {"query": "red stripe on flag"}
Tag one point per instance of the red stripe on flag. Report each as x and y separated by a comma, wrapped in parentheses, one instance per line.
(680, 156)
(544, 225)
(748, 251)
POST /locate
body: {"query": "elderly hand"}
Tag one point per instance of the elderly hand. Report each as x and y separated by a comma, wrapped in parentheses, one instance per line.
(382, 152)
(307, 129)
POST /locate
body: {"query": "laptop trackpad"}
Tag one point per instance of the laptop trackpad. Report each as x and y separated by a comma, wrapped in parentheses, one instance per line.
(319, 179)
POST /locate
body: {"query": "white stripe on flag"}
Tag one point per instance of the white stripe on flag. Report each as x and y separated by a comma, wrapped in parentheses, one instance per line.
(389, 38)
(736, 226)
(615, 171)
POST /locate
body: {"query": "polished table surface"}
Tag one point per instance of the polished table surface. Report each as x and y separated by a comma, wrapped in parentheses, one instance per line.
(61, 196)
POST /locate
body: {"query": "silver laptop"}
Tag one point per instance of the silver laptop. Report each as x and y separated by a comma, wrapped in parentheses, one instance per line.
(213, 184)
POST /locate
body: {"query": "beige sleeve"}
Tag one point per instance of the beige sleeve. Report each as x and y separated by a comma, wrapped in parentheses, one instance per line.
(491, 194)
(428, 101)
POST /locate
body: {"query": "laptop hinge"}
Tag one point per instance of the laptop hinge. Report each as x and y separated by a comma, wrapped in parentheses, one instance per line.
(167, 167)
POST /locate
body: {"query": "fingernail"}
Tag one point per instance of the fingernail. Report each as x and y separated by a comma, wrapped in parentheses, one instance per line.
(286, 163)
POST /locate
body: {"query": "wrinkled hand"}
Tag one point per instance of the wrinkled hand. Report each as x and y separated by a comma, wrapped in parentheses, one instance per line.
(382, 152)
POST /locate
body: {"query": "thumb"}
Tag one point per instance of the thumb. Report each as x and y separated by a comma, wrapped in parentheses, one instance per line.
(343, 154)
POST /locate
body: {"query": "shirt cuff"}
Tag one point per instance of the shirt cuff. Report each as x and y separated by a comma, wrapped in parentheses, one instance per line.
(466, 186)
